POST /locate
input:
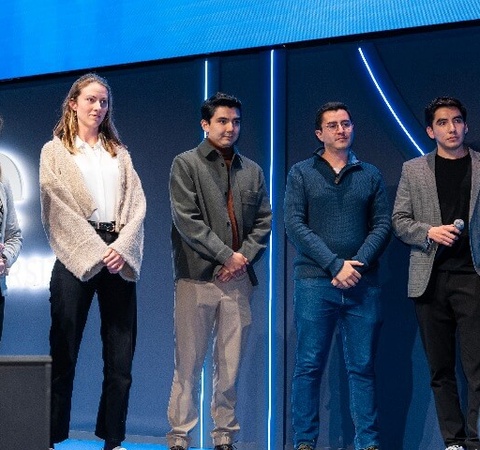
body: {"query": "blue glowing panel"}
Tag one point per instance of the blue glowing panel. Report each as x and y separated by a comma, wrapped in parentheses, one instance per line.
(56, 36)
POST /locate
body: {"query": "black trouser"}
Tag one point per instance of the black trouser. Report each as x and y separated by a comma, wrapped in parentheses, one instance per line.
(70, 302)
(450, 308)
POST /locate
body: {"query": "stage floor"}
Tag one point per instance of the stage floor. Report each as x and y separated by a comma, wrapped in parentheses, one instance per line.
(77, 444)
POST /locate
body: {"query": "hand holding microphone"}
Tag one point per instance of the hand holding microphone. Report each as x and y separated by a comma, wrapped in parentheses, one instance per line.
(446, 234)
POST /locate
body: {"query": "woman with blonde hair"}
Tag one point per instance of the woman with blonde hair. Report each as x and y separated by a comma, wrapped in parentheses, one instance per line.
(93, 208)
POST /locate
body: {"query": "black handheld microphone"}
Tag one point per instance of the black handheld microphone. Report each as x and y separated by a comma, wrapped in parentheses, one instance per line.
(459, 224)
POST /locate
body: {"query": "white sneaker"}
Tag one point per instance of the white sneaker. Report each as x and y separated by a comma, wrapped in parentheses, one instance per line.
(455, 447)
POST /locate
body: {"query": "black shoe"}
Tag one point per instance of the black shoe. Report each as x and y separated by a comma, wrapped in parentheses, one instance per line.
(225, 447)
(177, 447)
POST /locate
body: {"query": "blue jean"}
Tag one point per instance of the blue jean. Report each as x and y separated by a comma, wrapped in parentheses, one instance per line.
(319, 308)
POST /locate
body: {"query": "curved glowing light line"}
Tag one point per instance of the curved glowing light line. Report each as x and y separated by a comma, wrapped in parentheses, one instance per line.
(21, 170)
(385, 100)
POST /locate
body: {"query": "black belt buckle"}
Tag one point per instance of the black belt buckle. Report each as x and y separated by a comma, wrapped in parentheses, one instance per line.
(103, 226)
(107, 226)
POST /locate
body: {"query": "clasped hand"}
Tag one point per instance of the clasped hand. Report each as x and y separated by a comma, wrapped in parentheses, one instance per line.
(3, 264)
(348, 276)
(233, 267)
(113, 261)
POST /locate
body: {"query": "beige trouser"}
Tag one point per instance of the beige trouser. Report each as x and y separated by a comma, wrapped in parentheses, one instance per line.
(200, 309)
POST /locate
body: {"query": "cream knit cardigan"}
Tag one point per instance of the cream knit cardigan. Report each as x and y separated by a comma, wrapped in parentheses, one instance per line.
(67, 205)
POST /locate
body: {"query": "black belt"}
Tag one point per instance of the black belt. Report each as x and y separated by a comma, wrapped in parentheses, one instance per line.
(103, 226)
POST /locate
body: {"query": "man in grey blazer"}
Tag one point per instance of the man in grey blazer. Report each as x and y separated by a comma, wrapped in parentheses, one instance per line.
(436, 212)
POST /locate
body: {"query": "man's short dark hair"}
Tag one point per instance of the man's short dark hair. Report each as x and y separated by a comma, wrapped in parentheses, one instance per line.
(443, 102)
(330, 106)
(219, 99)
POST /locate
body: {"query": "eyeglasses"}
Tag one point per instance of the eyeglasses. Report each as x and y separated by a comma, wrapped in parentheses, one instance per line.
(344, 124)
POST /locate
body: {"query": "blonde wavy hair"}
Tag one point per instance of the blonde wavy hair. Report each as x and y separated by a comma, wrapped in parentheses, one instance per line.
(67, 127)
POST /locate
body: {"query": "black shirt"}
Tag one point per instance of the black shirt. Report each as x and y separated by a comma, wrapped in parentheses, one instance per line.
(454, 181)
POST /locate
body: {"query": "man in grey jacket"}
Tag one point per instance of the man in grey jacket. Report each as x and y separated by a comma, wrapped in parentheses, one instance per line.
(436, 212)
(221, 225)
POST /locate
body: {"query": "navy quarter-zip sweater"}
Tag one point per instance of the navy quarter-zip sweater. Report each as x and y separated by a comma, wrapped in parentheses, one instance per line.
(330, 217)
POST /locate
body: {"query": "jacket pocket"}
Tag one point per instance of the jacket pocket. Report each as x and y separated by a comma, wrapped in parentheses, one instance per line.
(249, 207)
(249, 197)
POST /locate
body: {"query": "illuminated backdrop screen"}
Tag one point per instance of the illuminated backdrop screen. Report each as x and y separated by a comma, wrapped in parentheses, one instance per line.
(57, 36)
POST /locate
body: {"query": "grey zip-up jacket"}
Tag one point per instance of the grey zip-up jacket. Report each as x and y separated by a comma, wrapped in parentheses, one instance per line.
(201, 230)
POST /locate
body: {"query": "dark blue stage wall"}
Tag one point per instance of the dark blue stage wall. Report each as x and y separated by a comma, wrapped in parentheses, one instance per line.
(157, 113)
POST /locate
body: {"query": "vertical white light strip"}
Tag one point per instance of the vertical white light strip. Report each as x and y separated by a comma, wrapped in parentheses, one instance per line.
(387, 103)
(271, 425)
(201, 419)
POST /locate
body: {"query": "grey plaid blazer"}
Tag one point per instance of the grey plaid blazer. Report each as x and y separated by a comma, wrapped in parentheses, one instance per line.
(417, 208)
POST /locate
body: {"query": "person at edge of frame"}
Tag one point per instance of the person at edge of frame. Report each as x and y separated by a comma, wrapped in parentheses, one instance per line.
(11, 238)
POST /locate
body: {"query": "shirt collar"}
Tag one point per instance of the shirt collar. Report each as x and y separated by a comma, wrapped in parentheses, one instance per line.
(352, 159)
(81, 145)
(209, 151)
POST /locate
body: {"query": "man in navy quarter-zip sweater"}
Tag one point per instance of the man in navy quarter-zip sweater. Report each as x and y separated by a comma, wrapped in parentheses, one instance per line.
(337, 216)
